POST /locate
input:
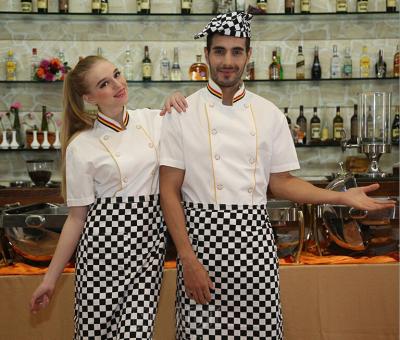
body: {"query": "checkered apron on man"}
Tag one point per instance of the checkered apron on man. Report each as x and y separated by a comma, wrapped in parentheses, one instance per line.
(235, 243)
(119, 269)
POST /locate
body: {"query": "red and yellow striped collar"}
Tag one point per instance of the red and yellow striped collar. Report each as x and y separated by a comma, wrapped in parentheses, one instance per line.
(111, 123)
(215, 90)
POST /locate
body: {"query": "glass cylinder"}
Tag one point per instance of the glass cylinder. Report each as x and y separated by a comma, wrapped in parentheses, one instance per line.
(374, 118)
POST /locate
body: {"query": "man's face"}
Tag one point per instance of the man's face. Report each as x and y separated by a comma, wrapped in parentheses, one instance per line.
(227, 59)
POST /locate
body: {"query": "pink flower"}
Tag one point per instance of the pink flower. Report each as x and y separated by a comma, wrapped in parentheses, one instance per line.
(16, 105)
(49, 77)
(44, 63)
(49, 115)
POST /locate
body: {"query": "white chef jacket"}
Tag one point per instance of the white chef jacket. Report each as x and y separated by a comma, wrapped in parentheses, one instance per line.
(105, 162)
(227, 152)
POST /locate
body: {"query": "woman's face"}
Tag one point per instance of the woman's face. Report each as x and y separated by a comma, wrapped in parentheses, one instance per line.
(107, 87)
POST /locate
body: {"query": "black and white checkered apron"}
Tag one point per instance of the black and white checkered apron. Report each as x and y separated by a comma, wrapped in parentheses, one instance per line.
(119, 268)
(236, 245)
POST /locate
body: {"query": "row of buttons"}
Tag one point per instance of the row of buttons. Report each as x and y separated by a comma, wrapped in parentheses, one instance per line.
(214, 132)
(252, 160)
(220, 187)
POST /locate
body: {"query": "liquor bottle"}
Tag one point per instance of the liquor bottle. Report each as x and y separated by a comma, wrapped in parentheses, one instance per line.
(305, 6)
(186, 6)
(300, 64)
(396, 127)
(250, 70)
(278, 59)
(11, 66)
(44, 126)
(198, 70)
(337, 125)
(316, 67)
(42, 6)
(341, 6)
(396, 62)
(146, 65)
(335, 64)
(61, 55)
(26, 6)
(325, 132)
(301, 121)
(274, 69)
(35, 62)
(104, 7)
(99, 52)
(380, 66)
(315, 127)
(63, 6)
(365, 63)
(347, 64)
(17, 125)
(96, 6)
(354, 125)
(176, 73)
(129, 71)
(390, 5)
(362, 6)
(262, 5)
(289, 6)
(289, 121)
(165, 66)
(139, 6)
(145, 7)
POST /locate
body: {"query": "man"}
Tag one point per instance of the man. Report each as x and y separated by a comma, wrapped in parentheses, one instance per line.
(219, 158)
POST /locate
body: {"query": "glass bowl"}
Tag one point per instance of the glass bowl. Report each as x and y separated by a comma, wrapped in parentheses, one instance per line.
(40, 171)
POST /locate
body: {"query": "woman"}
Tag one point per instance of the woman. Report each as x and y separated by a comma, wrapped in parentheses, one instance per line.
(110, 164)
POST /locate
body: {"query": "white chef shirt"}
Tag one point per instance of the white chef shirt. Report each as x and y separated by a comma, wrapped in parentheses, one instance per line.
(227, 152)
(102, 162)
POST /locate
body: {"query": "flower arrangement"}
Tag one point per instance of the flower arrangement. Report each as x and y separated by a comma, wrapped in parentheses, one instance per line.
(15, 106)
(51, 70)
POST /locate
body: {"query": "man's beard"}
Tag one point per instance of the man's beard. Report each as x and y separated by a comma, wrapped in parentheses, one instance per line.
(227, 83)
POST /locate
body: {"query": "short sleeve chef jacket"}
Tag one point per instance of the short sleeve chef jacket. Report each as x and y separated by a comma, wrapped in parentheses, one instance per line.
(102, 162)
(227, 152)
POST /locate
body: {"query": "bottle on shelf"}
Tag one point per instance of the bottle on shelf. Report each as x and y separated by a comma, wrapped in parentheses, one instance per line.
(396, 127)
(138, 6)
(186, 6)
(146, 65)
(301, 121)
(305, 6)
(262, 5)
(341, 6)
(337, 125)
(63, 6)
(96, 6)
(278, 59)
(289, 6)
(347, 64)
(250, 70)
(325, 132)
(42, 6)
(240, 5)
(365, 63)
(289, 121)
(129, 71)
(391, 6)
(104, 9)
(362, 6)
(380, 66)
(176, 73)
(315, 127)
(198, 70)
(165, 66)
(99, 52)
(274, 69)
(44, 126)
(335, 64)
(61, 56)
(26, 6)
(396, 62)
(354, 125)
(300, 64)
(145, 7)
(35, 62)
(17, 125)
(316, 66)
(11, 66)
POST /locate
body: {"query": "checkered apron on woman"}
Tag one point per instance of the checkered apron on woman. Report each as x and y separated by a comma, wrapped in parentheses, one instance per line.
(236, 246)
(119, 268)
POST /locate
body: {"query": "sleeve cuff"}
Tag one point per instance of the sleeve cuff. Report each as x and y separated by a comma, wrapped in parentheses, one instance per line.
(172, 163)
(285, 167)
(79, 202)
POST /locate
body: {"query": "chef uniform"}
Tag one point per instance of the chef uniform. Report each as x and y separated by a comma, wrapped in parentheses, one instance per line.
(120, 255)
(228, 153)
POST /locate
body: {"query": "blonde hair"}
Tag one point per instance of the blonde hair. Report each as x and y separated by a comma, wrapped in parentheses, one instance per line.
(75, 119)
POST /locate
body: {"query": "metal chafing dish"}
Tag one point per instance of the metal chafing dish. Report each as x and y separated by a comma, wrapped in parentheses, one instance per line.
(287, 222)
(32, 231)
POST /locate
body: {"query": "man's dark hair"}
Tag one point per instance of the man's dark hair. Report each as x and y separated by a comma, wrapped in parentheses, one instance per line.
(211, 36)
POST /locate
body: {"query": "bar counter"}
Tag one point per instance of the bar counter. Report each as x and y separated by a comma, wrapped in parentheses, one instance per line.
(326, 302)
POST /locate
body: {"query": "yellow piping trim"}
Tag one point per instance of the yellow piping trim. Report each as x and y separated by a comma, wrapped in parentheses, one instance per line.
(255, 163)
(211, 153)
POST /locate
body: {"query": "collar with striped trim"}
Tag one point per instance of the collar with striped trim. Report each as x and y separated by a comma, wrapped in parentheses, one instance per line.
(216, 91)
(111, 123)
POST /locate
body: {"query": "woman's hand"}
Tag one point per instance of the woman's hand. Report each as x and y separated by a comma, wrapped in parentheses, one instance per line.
(41, 297)
(176, 100)
(197, 282)
(357, 198)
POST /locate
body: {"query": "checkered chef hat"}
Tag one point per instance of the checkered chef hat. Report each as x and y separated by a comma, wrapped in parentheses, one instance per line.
(235, 24)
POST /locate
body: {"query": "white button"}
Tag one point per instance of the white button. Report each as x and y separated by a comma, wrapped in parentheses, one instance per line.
(106, 137)
(214, 131)
(151, 145)
(125, 180)
(220, 186)
(252, 133)
(117, 154)
(252, 160)
(217, 157)
(211, 105)
(246, 106)
(250, 190)
(138, 126)
(153, 172)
